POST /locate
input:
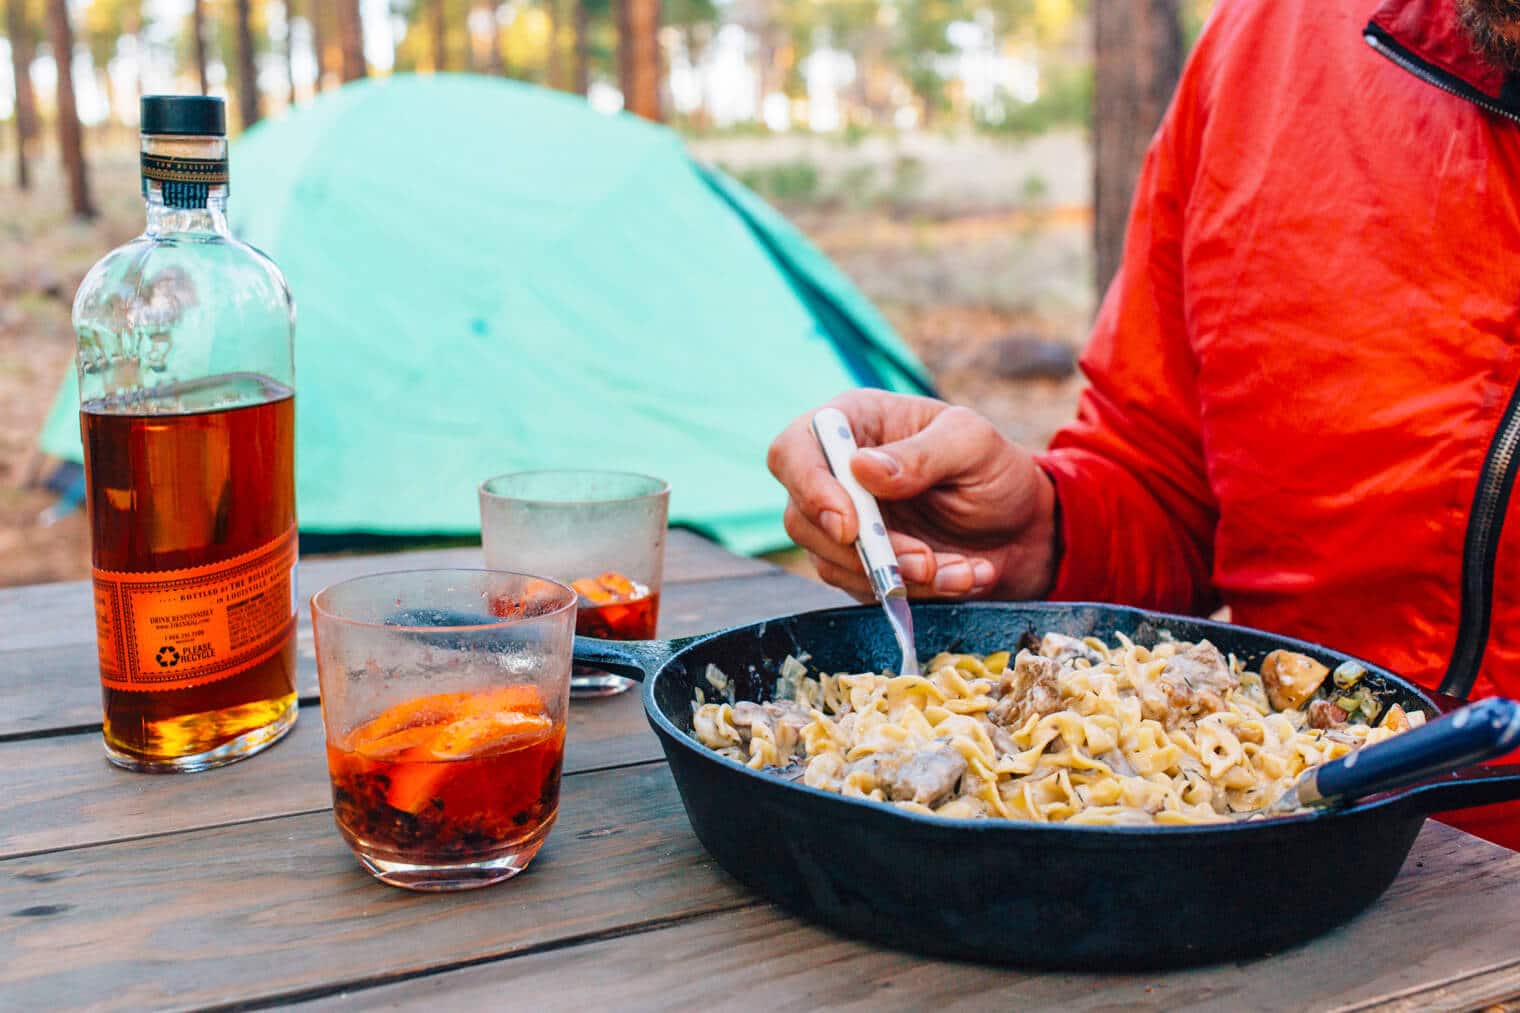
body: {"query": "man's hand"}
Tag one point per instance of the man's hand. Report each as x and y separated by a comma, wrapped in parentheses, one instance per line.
(971, 514)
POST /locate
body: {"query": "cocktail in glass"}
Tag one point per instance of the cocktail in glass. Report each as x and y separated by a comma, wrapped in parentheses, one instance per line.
(443, 697)
(601, 532)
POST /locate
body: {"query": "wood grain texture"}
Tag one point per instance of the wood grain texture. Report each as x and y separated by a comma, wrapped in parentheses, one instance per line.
(61, 793)
(1442, 922)
(1493, 990)
(233, 887)
(46, 689)
(280, 907)
(54, 615)
(58, 791)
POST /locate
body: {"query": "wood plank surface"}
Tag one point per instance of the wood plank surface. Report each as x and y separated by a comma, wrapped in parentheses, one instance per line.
(58, 791)
(61, 793)
(47, 690)
(1493, 990)
(54, 615)
(275, 909)
(1453, 918)
(234, 888)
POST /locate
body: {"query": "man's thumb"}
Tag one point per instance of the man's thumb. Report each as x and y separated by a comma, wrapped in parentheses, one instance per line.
(949, 446)
(906, 468)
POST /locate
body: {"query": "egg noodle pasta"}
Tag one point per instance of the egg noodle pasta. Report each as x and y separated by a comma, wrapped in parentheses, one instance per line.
(1077, 731)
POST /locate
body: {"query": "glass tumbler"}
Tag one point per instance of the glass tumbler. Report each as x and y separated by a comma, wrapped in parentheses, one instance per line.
(601, 532)
(444, 695)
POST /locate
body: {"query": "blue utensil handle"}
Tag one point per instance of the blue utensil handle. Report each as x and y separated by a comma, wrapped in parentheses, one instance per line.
(1475, 733)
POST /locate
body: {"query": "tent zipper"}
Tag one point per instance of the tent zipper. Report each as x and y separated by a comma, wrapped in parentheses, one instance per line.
(1480, 548)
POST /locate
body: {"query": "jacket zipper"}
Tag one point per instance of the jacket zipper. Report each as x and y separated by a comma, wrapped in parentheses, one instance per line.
(1480, 548)
(1385, 44)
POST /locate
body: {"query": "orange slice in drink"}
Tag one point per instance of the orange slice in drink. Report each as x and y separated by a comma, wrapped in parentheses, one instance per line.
(524, 699)
(621, 587)
(537, 598)
(415, 785)
(440, 708)
(592, 590)
(483, 734)
(396, 745)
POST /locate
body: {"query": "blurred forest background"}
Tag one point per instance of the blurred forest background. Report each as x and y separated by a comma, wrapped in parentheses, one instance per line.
(969, 164)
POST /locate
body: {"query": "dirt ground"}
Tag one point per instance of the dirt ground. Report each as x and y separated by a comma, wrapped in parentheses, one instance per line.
(970, 255)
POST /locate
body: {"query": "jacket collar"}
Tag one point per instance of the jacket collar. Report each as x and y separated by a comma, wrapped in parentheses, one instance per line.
(1432, 31)
(1427, 38)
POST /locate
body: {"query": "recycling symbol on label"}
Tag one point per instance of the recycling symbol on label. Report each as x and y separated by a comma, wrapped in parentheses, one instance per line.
(167, 657)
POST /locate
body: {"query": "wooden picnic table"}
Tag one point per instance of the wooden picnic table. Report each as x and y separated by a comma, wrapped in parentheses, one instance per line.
(232, 888)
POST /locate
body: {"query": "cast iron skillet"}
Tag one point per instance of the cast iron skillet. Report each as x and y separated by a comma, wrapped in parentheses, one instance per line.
(1038, 895)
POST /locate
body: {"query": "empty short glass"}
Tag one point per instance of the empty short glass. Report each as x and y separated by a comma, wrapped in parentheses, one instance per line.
(444, 695)
(601, 532)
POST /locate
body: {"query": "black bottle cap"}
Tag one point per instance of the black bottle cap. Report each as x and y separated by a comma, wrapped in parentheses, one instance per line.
(195, 115)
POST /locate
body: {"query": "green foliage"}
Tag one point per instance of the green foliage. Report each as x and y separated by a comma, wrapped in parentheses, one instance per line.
(1194, 14)
(676, 13)
(908, 175)
(857, 186)
(791, 181)
(923, 40)
(1065, 100)
(106, 21)
(1034, 189)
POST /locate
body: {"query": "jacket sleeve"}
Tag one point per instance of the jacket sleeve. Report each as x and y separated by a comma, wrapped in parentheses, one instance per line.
(1137, 516)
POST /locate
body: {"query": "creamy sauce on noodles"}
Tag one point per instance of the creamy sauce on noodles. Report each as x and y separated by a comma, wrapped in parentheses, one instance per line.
(1078, 731)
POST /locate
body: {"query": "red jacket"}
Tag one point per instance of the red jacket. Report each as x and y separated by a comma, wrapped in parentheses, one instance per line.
(1311, 353)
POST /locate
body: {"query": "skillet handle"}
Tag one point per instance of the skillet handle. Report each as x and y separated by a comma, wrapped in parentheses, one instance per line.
(1466, 788)
(636, 659)
(1445, 702)
(1478, 732)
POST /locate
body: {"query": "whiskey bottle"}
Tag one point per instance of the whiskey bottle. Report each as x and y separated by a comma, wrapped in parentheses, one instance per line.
(187, 410)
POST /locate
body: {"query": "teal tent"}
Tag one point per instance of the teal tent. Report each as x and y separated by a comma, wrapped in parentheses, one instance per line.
(490, 276)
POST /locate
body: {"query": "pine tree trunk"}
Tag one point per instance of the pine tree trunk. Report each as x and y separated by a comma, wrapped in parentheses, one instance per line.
(198, 26)
(1138, 58)
(351, 40)
(496, 55)
(580, 70)
(248, 74)
(554, 72)
(22, 53)
(639, 56)
(440, 36)
(318, 22)
(624, 49)
(70, 134)
(290, 48)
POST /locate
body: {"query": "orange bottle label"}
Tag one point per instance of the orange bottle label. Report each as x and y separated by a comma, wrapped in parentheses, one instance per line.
(173, 629)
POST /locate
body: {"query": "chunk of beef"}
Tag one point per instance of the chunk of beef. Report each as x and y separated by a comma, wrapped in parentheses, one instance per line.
(1066, 649)
(1324, 714)
(1002, 741)
(927, 777)
(1032, 686)
(882, 767)
(1201, 667)
(1193, 683)
(784, 718)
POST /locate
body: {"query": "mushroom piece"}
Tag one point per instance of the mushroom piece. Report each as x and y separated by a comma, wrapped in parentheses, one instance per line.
(1291, 678)
(928, 777)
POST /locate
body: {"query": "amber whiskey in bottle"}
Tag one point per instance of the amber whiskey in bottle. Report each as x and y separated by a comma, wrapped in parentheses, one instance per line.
(187, 410)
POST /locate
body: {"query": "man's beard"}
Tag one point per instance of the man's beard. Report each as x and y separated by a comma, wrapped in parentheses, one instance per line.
(1494, 28)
